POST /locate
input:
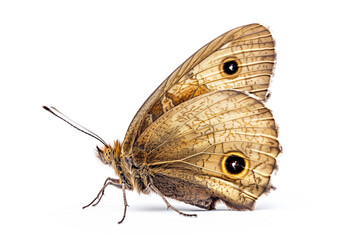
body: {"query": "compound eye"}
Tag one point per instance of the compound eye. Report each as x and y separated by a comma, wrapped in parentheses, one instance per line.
(107, 154)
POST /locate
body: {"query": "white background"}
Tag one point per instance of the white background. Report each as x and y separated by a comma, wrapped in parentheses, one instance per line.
(98, 61)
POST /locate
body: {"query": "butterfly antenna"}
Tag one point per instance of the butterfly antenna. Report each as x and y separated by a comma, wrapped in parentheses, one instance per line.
(60, 115)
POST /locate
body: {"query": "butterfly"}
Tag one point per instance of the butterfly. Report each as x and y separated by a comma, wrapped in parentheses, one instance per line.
(204, 135)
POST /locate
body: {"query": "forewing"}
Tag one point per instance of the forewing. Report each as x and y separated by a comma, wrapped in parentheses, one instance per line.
(251, 47)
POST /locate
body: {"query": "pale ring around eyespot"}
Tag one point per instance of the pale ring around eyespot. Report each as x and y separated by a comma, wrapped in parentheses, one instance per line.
(232, 75)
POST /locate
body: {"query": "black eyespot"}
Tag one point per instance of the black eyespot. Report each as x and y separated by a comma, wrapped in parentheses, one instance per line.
(230, 67)
(235, 164)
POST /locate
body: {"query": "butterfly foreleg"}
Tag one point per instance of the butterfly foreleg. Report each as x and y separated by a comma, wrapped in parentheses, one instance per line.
(108, 181)
(116, 183)
(152, 187)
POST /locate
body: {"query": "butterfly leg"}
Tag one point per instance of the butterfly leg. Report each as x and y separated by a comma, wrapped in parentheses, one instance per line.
(152, 187)
(108, 181)
(125, 204)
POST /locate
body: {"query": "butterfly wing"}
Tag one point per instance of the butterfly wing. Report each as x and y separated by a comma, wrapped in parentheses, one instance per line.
(250, 47)
(188, 148)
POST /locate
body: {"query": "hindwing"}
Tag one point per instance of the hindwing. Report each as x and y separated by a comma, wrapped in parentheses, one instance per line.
(193, 142)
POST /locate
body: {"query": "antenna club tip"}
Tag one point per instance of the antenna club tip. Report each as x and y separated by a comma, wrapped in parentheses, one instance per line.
(46, 108)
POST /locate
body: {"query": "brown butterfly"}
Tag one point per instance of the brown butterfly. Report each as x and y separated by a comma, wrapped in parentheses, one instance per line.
(204, 135)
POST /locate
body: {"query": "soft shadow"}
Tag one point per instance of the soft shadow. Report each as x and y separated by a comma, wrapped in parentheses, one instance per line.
(267, 206)
(186, 209)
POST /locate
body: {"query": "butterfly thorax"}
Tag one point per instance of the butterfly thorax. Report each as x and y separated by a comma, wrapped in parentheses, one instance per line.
(131, 175)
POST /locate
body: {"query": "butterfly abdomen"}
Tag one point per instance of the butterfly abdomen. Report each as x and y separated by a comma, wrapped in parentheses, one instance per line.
(185, 191)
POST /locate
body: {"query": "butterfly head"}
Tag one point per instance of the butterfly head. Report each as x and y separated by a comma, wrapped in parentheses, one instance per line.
(105, 154)
(108, 154)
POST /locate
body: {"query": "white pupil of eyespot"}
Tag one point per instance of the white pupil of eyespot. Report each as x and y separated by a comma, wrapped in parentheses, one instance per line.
(233, 164)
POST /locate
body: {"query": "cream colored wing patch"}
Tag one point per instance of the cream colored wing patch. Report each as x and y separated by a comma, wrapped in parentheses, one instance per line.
(224, 140)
